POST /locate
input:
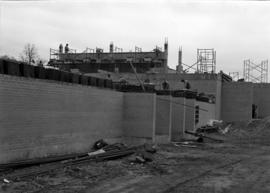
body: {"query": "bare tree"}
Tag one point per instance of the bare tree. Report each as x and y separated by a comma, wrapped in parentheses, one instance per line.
(29, 54)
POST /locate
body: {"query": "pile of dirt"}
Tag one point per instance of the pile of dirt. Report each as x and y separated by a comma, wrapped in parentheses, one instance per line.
(254, 131)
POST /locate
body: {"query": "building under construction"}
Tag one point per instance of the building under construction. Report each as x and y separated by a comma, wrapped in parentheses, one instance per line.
(50, 118)
(92, 60)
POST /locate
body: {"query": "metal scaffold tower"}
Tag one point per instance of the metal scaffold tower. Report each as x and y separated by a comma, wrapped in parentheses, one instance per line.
(257, 73)
(206, 60)
(234, 75)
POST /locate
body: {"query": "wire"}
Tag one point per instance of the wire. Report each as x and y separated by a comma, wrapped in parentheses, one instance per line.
(182, 104)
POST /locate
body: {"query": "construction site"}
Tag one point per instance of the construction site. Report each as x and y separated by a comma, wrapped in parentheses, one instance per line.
(116, 121)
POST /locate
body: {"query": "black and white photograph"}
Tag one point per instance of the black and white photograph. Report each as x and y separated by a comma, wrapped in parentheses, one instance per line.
(134, 96)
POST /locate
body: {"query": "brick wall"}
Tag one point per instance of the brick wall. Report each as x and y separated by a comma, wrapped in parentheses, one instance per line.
(38, 118)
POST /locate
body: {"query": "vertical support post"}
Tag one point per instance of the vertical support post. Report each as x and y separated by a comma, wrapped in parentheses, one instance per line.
(198, 59)
(170, 120)
(184, 117)
(218, 104)
(154, 118)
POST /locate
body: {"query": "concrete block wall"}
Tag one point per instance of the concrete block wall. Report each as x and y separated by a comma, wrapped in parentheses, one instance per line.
(206, 112)
(236, 101)
(162, 114)
(190, 114)
(163, 118)
(139, 115)
(183, 117)
(205, 86)
(41, 117)
(261, 98)
(206, 83)
(177, 119)
(174, 115)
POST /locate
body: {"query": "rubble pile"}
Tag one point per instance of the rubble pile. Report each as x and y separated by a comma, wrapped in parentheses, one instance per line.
(254, 131)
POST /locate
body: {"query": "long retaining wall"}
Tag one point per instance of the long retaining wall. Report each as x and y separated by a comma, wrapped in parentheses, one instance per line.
(49, 112)
(40, 118)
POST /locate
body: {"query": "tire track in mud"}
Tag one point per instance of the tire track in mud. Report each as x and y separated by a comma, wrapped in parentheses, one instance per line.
(203, 174)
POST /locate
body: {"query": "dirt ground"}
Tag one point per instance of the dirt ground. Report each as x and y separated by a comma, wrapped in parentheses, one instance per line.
(232, 166)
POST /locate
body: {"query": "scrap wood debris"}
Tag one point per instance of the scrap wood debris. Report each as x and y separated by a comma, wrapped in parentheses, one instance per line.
(214, 126)
(191, 144)
(102, 152)
(202, 136)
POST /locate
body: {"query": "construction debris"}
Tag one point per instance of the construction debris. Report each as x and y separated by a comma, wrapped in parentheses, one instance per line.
(139, 159)
(143, 155)
(150, 148)
(192, 144)
(96, 152)
(108, 152)
(207, 129)
(213, 122)
(6, 180)
(202, 136)
(226, 129)
(99, 144)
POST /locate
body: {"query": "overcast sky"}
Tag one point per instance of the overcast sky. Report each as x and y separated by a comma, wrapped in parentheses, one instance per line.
(237, 30)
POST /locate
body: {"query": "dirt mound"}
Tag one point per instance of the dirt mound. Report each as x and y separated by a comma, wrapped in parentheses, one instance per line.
(252, 131)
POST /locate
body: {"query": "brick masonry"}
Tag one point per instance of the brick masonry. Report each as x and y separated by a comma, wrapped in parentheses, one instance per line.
(41, 117)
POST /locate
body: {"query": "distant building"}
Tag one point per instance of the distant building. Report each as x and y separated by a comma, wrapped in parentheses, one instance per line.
(90, 61)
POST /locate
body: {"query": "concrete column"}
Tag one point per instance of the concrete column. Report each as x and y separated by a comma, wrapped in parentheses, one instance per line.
(218, 99)
(170, 120)
(154, 118)
(184, 116)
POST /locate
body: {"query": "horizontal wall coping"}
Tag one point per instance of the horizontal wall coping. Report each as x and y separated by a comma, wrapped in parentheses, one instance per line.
(11, 77)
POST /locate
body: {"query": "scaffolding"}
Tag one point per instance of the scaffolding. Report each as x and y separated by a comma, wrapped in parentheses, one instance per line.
(55, 53)
(257, 73)
(117, 49)
(185, 68)
(234, 75)
(138, 49)
(206, 60)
